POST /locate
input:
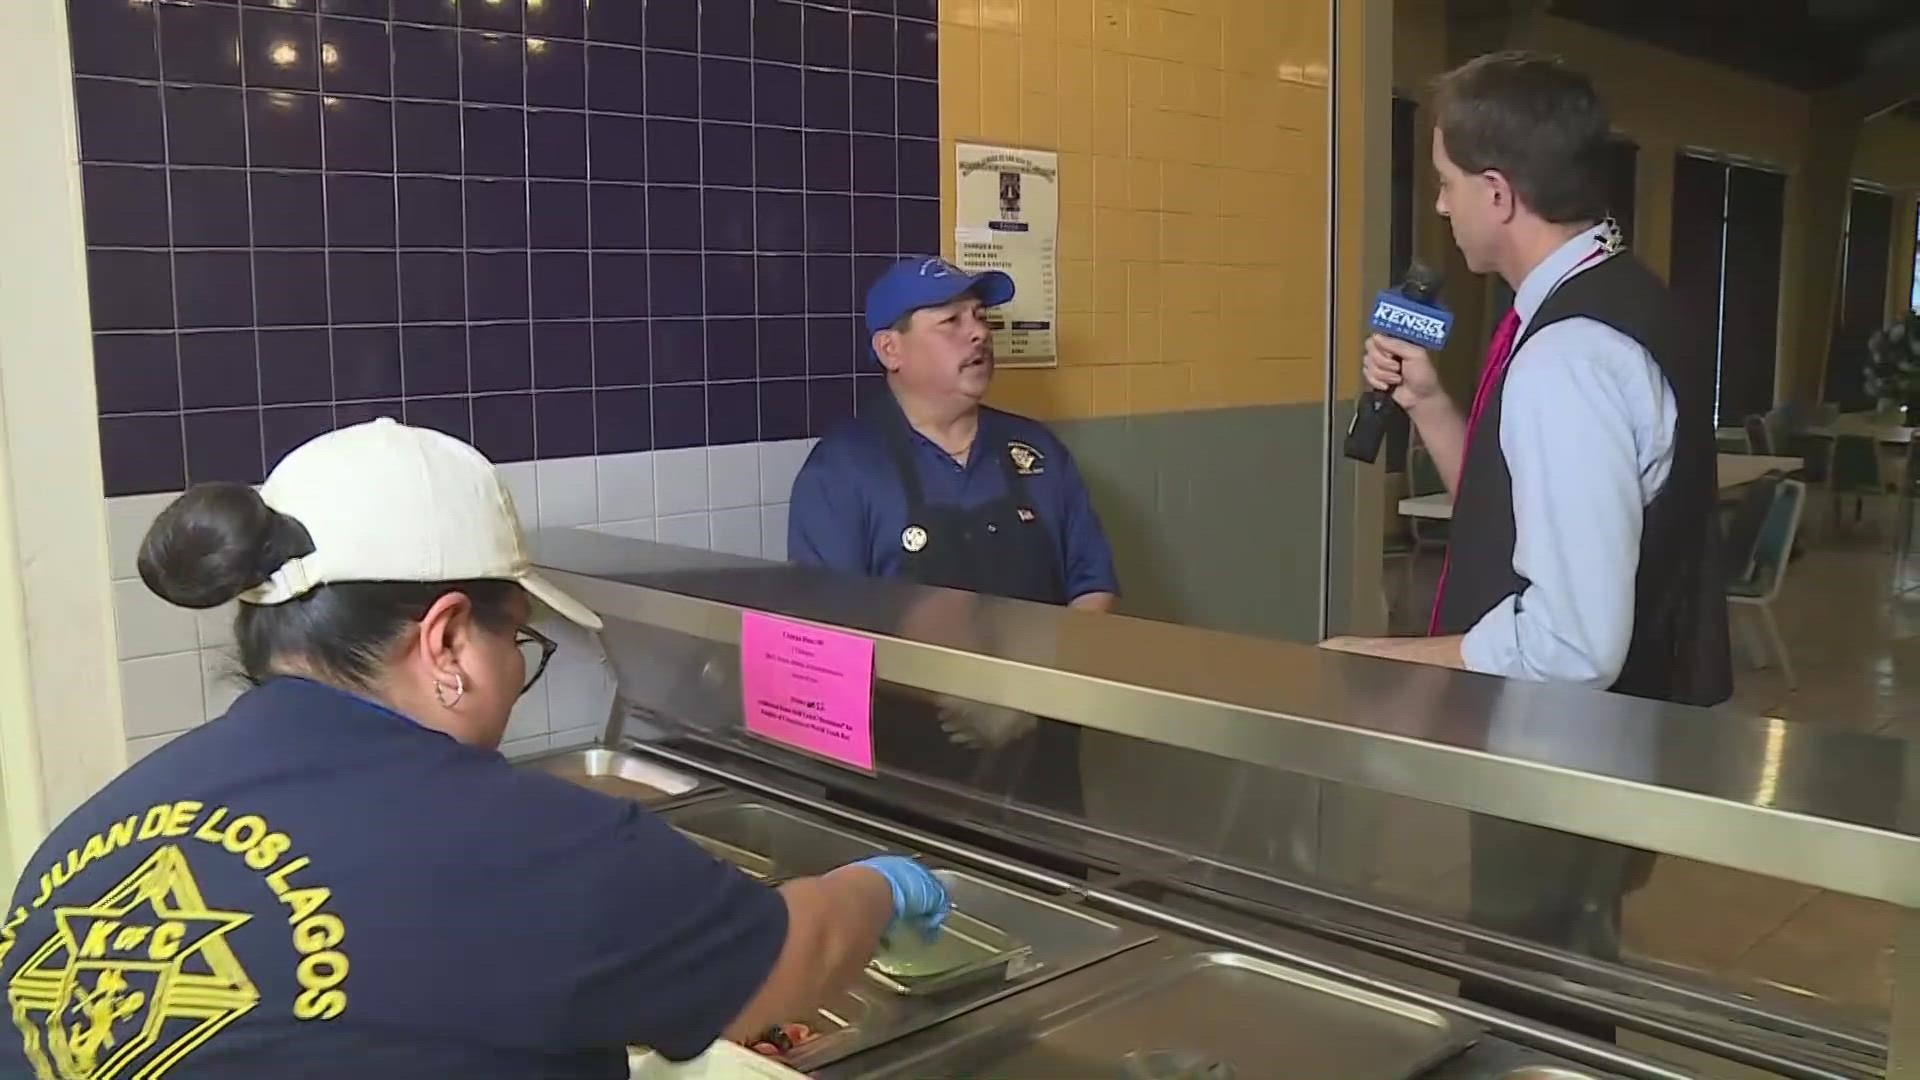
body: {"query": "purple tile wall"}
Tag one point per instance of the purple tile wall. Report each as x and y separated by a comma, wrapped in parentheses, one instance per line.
(553, 228)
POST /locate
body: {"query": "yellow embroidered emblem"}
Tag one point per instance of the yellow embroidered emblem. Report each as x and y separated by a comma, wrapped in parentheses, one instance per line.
(1026, 460)
(132, 983)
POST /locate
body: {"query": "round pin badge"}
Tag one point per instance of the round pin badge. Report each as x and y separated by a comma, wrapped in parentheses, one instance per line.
(913, 538)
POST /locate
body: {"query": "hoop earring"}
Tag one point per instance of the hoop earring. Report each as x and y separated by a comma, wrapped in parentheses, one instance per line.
(458, 691)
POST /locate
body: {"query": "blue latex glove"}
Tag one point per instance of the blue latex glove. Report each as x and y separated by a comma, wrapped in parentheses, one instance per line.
(919, 900)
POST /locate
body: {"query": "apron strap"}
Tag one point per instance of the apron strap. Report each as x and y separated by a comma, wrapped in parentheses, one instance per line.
(901, 451)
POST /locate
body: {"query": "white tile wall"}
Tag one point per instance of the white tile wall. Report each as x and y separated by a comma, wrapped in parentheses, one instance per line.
(626, 487)
(163, 693)
(737, 531)
(177, 667)
(773, 532)
(680, 481)
(733, 476)
(779, 463)
(127, 521)
(147, 744)
(149, 626)
(685, 530)
(567, 492)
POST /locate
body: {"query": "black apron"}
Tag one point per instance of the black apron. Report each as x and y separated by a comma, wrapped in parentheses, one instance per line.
(1000, 548)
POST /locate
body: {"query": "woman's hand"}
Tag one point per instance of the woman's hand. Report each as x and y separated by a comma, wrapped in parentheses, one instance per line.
(919, 900)
(835, 922)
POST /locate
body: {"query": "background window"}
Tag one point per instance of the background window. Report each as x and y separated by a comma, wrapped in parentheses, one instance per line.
(1727, 222)
(1914, 302)
(1866, 255)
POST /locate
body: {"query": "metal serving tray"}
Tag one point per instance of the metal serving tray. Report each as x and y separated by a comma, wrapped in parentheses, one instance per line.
(617, 773)
(965, 951)
(1220, 1016)
(833, 1020)
(754, 865)
(777, 843)
(1048, 938)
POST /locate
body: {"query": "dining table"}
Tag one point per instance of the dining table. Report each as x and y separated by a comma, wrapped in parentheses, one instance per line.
(1878, 426)
(1735, 470)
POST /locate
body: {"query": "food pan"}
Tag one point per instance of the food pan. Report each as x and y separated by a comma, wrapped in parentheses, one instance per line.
(965, 951)
(752, 864)
(786, 844)
(1211, 1016)
(612, 772)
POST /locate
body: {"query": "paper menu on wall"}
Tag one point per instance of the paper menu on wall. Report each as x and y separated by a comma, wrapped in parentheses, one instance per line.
(808, 688)
(1006, 217)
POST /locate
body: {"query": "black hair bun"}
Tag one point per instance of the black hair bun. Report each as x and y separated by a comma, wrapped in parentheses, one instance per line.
(215, 542)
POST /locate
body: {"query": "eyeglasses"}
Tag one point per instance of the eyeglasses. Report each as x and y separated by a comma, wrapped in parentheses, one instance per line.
(537, 650)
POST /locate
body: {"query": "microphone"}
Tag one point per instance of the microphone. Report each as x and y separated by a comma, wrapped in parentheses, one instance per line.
(1413, 314)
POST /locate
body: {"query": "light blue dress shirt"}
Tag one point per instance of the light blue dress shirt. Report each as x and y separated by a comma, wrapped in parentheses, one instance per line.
(1586, 426)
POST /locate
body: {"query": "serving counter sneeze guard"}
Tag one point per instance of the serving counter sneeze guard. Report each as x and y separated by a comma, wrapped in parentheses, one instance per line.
(1267, 832)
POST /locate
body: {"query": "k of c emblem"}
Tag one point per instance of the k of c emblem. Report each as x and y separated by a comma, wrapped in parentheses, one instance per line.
(133, 982)
(1026, 460)
(913, 538)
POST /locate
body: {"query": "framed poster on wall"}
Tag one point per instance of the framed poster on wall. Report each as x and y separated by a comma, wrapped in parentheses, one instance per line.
(1006, 217)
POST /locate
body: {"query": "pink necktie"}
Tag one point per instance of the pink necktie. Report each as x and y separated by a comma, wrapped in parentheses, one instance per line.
(1499, 352)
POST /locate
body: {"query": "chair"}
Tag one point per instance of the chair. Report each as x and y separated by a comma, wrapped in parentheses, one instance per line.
(1815, 453)
(1423, 478)
(1759, 438)
(1854, 470)
(1771, 557)
(1747, 511)
(1423, 534)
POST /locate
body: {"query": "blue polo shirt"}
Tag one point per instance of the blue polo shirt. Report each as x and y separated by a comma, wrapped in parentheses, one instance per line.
(849, 508)
(315, 886)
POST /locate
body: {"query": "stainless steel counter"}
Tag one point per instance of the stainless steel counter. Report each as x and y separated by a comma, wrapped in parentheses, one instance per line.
(1003, 1031)
(1057, 934)
(1796, 802)
(1255, 769)
(1096, 991)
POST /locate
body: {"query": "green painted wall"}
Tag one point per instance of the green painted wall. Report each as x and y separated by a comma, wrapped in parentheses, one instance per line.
(1215, 516)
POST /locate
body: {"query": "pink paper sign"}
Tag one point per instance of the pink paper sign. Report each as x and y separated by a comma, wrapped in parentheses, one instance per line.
(808, 687)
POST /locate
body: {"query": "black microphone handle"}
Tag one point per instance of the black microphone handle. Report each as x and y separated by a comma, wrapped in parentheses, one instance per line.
(1372, 414)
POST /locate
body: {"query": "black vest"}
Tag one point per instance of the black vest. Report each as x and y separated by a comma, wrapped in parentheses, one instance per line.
(1679, 650)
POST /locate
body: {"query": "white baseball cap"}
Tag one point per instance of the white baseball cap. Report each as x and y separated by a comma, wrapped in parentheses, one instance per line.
(382, 501)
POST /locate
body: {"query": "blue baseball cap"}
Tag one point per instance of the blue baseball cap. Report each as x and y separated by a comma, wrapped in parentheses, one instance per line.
(923, 281)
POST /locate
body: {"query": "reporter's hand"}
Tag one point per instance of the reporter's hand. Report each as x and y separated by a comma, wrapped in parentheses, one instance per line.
(1361, 646)
(980, 726)
(1403, 368)
(919, 900)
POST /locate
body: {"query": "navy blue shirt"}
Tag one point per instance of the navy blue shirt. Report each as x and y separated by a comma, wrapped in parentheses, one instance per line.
(849, 507)
(315, 886)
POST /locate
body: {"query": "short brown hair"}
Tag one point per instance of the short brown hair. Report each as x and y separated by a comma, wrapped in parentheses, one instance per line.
(1537, 122)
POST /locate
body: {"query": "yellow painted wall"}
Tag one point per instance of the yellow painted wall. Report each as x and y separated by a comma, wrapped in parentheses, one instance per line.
(1889, 153)
(1663, 101)
(1666, 103)
(1193, 214)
